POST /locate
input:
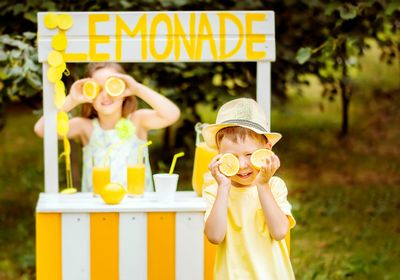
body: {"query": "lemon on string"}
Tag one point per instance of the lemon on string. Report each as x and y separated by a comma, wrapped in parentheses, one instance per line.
(62, 123)
(64, 21)
(59, 87)
(59, 99)
(55, 58)
(67, 153)
(59, 41)
(54, 75)
(51, 20)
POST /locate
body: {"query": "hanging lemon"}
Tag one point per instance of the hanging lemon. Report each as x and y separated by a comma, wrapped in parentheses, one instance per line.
(113, 193)
(59, 41)
(64, 21)
(54, 75)
(51, 21)
(55, 58)
(59, 99)
(62, 123)
(259, 157)
(59, 87)
(91, 89)
(229, 164)
(115, 86)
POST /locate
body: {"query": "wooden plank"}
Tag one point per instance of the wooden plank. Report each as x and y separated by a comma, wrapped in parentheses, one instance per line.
(48, 246)
(189, 246)
(161, 246)
(104, 245)
(75, 246)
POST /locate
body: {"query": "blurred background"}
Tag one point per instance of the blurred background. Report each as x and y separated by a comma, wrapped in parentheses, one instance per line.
(336, 99)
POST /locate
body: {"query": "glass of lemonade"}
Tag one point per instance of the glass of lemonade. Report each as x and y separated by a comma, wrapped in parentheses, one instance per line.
(101, 176)
(136, 179)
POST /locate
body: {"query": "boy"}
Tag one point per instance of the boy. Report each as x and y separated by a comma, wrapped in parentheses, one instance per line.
(248, 214)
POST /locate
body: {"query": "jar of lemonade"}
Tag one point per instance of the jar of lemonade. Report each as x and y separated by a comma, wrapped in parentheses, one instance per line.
(202, 157)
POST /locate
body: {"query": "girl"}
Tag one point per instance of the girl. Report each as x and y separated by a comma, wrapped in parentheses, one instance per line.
(96, 129)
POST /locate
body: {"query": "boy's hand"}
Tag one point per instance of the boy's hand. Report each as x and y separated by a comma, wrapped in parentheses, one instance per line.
(221, 179)
(267, 170)
(130, 82)
(76, 92)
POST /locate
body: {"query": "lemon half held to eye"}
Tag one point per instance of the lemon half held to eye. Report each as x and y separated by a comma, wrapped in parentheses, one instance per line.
(259, 157)
(229, 164)
(115, 86)
(91, 89)
(113, 193)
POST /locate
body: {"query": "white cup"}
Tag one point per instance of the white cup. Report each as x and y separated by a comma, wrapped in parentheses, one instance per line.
(165, 185)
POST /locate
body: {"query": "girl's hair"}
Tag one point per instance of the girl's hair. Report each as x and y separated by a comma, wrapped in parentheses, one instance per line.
(234, 133)
(129, 104)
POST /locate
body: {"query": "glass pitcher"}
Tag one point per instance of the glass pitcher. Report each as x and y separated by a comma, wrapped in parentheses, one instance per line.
(202, 157)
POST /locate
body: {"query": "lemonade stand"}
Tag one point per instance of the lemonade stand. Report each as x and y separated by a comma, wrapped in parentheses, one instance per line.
(78, 236)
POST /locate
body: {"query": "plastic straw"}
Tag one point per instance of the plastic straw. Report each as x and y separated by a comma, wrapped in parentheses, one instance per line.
(181, 154)
(140, 159)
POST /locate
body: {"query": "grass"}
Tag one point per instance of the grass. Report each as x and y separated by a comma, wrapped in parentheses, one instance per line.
(344, 192)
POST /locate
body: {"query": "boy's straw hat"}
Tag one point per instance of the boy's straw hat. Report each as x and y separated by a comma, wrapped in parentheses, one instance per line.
(243, 112)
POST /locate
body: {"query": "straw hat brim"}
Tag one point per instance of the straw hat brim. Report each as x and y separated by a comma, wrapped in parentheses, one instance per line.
(209, 132)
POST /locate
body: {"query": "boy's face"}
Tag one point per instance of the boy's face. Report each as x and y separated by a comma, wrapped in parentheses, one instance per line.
(243, 150)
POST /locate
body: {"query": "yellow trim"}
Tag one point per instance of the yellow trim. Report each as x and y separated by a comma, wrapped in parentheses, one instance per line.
(48, 246)
(161, 246)
(104, 244)
(209, 258)
(287, 240)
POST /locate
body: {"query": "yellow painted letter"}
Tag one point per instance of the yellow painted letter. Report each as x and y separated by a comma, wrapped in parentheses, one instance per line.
(154, 36)
(222, 31)
(141, 27)
(205, 33)
(180, 33)
(254, 38)
(97, 39)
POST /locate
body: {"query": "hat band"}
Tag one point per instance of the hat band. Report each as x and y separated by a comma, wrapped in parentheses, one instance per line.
(246, 123)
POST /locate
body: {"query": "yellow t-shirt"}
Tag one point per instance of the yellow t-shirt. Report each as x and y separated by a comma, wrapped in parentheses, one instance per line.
(248, 251)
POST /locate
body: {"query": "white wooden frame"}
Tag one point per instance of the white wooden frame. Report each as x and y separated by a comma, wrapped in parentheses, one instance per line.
(160, 37)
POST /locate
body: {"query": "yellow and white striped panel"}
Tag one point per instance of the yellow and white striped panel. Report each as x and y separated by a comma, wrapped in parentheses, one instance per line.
(136, 245)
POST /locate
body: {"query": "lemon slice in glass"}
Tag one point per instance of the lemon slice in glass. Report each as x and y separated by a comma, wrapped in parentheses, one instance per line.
(115, 86)
(229, 164)
(259, 157)
(91, 89)
(51, 20)
(64, 21)
(113, 193)
(62, 123)
(59, 41)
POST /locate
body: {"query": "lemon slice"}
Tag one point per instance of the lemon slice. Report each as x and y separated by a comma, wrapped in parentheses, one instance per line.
(113, 193)
(91, 89)
(62, 123)
(59, 41)
(229, 164)
(114, 86)
(259, 157)
(55, 58)
(51, 20)
(64, 21)
(59, 99)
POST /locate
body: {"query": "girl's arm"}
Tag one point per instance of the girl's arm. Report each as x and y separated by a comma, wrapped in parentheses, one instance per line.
(163, 113)
(215, 227)
(276, 220)
(77, 126)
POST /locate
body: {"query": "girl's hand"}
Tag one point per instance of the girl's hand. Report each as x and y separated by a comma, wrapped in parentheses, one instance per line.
(76, 92)
(130, 82)
(268, 170)
(221, 179)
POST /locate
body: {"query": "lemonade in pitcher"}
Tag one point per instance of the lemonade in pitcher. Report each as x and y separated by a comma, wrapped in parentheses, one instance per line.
(202, 157)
